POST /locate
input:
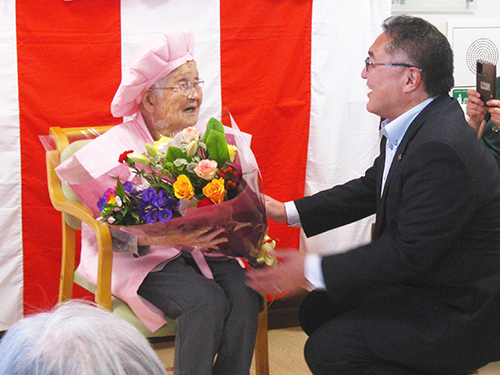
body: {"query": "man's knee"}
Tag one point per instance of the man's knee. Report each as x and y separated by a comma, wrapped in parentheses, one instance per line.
(338, 347)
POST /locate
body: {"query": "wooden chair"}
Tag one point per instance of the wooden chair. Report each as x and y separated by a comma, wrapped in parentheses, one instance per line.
(67, 141)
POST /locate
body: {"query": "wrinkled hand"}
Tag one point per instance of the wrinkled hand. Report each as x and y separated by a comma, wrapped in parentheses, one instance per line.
(286, 276)
(475, 109)
(204, 237)
(275, 209)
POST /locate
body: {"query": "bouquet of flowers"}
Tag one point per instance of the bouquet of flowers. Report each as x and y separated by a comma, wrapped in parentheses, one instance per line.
(190, 180)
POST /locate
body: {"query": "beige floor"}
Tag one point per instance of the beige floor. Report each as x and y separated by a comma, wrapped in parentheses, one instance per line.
(286, 355)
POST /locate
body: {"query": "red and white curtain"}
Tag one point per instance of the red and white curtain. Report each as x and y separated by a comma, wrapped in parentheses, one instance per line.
(287, 70)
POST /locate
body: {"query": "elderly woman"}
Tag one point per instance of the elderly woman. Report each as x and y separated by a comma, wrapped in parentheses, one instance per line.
(76, 338)
(216, 317)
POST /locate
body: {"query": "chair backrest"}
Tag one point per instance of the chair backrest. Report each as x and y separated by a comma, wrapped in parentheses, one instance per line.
(63, 137)
(68, 141)
(68, 192)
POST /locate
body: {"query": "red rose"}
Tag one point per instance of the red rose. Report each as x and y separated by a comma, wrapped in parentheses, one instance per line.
(123, 156)
(205, 202)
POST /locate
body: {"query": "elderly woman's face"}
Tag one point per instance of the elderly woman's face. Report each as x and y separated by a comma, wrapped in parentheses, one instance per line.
(177, 109)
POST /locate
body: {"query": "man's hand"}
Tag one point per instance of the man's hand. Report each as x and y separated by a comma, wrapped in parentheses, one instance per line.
(494, 110)
(286, 276)
(204, 237)
(275, 210)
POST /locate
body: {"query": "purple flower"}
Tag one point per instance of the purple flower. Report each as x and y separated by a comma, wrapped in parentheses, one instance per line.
(164, 215)
(160, 200)
(142, 207)
(148, 194)
(151, 216)
(101, 203)
(129, 187)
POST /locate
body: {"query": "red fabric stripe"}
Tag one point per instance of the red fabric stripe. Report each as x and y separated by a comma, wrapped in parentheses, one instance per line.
(265, 69)
(66, 50)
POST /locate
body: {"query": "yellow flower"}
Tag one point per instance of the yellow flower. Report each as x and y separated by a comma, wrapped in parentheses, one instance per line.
(266, 253)
(232, 152)
(183, 188)
(161, 145)
(215, 190)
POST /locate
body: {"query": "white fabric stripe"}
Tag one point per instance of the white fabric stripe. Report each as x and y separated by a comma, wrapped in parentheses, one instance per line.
(343, 136)
(142, 20)
(11, 251)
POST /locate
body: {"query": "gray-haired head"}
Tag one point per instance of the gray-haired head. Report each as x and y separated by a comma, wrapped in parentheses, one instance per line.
(76, 338)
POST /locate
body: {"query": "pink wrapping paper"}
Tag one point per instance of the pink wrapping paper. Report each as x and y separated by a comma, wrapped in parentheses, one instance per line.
(243, 219)
(89, 172)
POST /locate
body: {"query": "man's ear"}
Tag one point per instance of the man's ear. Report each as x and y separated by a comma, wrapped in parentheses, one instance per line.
(413, 80)
(148, 99)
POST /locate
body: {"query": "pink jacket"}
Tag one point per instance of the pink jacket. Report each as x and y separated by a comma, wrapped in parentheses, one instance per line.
(94, 162)
(87, 171)
(127, 275)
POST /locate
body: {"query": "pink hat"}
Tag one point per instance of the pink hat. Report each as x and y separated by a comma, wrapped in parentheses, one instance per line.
(152, 61)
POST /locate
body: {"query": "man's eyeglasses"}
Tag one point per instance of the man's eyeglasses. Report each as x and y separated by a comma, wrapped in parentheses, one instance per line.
(369, 63)
(184, 86)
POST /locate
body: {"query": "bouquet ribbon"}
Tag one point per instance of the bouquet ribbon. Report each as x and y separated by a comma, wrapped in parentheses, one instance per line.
(201, 262)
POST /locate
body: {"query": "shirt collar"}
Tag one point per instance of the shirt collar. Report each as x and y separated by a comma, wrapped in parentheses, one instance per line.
(395, 130)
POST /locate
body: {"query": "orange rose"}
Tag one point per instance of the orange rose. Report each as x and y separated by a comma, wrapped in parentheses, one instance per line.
(183, 188)
(215, 190)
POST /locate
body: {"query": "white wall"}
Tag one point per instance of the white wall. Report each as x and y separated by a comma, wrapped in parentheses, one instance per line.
(486, 12)
(486, 9)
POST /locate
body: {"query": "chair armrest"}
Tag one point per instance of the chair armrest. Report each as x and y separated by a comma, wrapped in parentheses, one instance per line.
(101, 230)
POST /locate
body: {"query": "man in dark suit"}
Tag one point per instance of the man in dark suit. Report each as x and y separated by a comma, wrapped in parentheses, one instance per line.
(424, 296)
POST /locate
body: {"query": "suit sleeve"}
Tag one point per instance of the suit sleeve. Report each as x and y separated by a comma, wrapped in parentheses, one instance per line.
(340, 205)
(431, 203)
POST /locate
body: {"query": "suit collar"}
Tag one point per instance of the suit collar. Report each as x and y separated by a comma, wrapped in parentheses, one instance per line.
(436, 105)
(413, 129)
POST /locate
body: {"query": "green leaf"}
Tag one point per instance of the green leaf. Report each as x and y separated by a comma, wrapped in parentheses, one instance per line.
(120, 191)
(213, 124)
(217, 147)
(174, 153)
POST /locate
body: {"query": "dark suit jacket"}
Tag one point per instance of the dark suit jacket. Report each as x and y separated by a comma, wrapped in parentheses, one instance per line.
(435, 255)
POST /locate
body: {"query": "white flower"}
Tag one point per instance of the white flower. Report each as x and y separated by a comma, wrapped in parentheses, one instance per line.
(179, 162)
(163, 147)
(192, 148)
(191, 166)
(189, 134)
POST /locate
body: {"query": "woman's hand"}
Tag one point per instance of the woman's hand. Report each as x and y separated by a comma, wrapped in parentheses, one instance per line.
(204, 237)
(475, 109)
(275, 209)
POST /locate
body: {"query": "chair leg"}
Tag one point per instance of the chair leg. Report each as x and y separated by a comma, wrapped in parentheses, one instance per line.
(67, 263)
(261, 344)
